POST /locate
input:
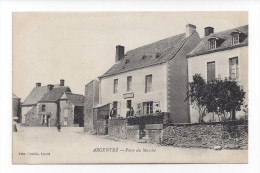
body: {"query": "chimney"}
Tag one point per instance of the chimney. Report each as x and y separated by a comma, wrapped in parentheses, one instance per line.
(190, 29)
(208, 30)
(50, 87)
(120, 52)
(38, 84)
(62, 81)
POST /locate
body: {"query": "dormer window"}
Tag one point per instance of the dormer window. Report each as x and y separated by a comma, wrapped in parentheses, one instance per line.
(235, 39)
(215, 42)
(212, 44)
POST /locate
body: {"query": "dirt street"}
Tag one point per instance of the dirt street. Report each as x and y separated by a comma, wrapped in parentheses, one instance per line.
(36, 145)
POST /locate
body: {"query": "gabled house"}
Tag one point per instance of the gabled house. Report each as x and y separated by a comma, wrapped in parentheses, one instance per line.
(57, 105)
(151, 78)
(31, 101)
(222, 54)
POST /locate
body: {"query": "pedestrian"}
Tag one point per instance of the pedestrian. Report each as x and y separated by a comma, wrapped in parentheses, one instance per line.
(131, 112)
(112, 113)
(128, 112)
(58, 127)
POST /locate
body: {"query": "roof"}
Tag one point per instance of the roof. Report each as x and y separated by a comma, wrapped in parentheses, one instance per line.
(54, 94)
(226, 40)
(76, 99)
(15, 97)
(148, 55)
(35, 95)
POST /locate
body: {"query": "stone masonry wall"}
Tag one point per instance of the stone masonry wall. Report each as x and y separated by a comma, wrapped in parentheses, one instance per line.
(117, 128)
(100, 127)
(88, 108)
(132, 132)
(229, 135)
(32, 119)
(153, 133)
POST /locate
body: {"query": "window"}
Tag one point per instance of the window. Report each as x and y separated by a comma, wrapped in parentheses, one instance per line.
(129, 84)
(235, 39)
(115, 86)
(148, 107)
(211, 71)
(43, 108)
(148, 83)
(212, 44)
(233, 68)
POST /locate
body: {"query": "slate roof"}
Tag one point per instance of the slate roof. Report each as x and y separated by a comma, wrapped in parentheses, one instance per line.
(15, 97)
(226, 40)
(54, 94)
(76, 99)
(35, 95)
(151, 54)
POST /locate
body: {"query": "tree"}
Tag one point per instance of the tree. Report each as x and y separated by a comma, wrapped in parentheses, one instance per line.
(197, 95)
(230, 97)
(218, 97)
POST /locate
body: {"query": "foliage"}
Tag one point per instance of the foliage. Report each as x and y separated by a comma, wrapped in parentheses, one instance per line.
(218, 97)
(197, 95)
(229, 97)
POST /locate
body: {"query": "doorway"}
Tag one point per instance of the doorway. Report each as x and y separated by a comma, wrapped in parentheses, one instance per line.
(128, 104)
(48, 120)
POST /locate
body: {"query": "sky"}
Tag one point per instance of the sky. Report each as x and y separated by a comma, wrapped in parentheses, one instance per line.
(79, 47)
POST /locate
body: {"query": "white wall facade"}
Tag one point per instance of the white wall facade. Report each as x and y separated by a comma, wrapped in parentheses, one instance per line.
(198, 64)
(158, 93)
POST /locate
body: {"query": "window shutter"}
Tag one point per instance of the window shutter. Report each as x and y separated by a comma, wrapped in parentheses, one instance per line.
(139, 108)
(119, 108)
(211, 71)
(233, 68)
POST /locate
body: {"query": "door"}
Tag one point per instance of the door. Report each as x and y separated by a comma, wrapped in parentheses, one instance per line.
(128, 106)
(48, 120)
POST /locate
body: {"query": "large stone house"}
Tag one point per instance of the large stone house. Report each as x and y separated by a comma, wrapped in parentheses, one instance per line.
(221, 54)
(151, 78)
(52, 104)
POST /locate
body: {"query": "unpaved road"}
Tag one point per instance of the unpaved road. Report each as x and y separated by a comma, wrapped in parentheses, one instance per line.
(36, 145)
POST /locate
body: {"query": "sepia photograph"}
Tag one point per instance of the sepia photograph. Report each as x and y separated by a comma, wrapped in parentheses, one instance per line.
(130, 87)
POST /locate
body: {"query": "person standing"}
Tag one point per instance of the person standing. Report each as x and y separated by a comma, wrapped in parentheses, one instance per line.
(58, 127)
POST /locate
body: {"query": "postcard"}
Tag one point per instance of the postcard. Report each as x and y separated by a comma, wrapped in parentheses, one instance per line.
(130, 87)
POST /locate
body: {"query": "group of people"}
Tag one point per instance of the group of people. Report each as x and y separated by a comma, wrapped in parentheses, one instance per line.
(113, 113)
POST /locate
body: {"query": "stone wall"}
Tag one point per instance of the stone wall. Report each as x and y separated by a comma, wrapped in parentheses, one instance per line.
(153, 133)
(32, 118)
(227, 135)
(132, 132)
(88, 108)
(66, 107)
(117, 128)
(100, 127)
